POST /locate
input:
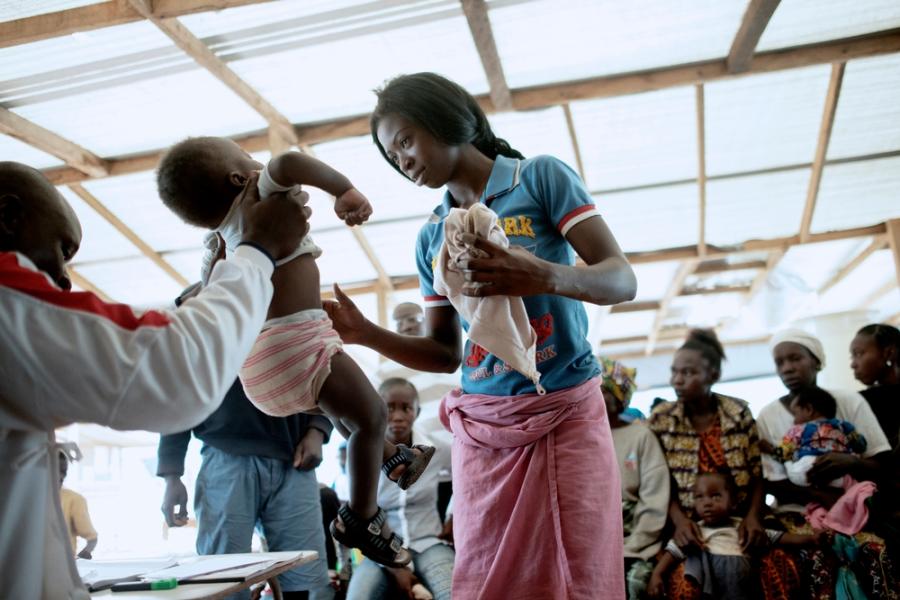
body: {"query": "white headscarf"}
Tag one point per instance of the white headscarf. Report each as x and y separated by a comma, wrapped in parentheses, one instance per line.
(798, 336)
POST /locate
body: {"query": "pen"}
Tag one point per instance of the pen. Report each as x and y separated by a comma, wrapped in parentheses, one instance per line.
(138, 586)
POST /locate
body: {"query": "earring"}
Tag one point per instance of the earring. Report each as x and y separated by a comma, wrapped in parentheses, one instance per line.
(889, 363)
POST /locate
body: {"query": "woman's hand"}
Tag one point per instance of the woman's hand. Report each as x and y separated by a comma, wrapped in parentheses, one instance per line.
(348, 321)
(656, 588)
(687, 534)
(830, 466)
(509, 271)
(751, 534)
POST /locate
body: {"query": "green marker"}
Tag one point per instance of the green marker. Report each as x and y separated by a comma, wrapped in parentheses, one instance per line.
(143, 586)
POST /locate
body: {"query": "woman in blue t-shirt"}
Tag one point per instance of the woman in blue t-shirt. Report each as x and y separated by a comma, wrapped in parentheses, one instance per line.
(535, 482)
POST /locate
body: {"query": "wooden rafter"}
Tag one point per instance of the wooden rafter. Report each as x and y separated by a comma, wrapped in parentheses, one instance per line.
(877, 244)
(101, 14)
(686, 268)
(627, 307)
(476, 12)
(752, 26)
(721, 266)
(132, 237)
(573, 136)
(84, 161)
(875, 296)
(815, 178)
(701, 165)
(206, 58)
(638, 339)
(82, 282)
(893, 235)
(725, 289)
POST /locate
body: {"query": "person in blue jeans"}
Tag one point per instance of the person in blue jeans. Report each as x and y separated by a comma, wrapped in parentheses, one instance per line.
(412, 513)
(256, 471)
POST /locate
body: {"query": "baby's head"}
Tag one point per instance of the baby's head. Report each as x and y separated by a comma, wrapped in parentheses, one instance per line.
(715, 494)
(199, 178)
(36, 221)
(812, 404)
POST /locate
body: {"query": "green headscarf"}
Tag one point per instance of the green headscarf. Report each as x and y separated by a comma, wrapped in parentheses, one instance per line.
(618, 379)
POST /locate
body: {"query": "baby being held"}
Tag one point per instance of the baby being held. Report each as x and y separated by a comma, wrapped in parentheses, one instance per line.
(297, 363)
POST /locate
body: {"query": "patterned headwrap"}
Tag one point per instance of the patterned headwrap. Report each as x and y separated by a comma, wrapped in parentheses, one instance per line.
(618, 379)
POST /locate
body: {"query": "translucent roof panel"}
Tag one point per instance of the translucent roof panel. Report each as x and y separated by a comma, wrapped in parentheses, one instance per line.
(186, 262)
(801, 22)
(651, 219)
(65, 57)
(120, 281)
(708, 281)
(886, 307)
(654, 279)
(13, 149)
(858, 286)
(704, 311)
(765, 120)
(635, 35)
(858, 194)
(627, 324)
(868, 112)
(755, 206)
(99, 239)
(336, 78)
(537, 132)
(810, 266)
(638, 139)
(133, 198)
(395, 245)
(146, 114)
(392, 195)
(17, 9)
(220, 24)
(342, 260)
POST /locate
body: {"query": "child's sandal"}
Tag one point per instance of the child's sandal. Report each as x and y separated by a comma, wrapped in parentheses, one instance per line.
(354, 531)
(415, 464)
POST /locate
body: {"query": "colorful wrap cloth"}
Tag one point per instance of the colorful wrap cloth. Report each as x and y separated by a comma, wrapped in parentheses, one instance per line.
(618, 379)
(289, 362)
(849, 514)
(537, 498)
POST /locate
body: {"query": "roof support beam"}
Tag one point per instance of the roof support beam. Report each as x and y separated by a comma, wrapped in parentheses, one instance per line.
(476, 12)
(207, 59)
(752, 26)
(45, 140)
(80, 280)
(815, 178)
(576, 147)
(893, 235)
(125, 230)
(701, 166)
(686, 268)
(103, 14)
(877, 244)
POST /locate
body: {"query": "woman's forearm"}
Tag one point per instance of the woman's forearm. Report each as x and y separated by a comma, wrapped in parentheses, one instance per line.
(609, 281)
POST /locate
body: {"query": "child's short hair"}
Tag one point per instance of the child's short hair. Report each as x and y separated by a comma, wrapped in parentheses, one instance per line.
(819, 400)
(192, 181)
(724, 474)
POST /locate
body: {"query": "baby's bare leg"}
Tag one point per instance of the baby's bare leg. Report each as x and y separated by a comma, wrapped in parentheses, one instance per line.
(351, 401)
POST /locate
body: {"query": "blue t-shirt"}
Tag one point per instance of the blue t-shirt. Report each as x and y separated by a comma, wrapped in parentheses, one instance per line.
(537, 201)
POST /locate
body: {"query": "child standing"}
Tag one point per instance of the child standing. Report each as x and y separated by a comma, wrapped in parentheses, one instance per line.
(296, 364)
(816, 431)
(720, 569)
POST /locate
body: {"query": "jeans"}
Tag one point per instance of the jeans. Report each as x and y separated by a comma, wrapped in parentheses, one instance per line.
(433, 567)
(235, 494)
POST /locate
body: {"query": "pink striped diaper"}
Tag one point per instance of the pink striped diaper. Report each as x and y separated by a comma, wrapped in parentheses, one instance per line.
(289, 362)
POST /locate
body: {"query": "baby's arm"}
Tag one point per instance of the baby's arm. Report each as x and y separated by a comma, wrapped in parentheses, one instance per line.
(656, 588)
(293, 168)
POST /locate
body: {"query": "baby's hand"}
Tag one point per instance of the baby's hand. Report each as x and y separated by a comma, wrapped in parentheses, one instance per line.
(352, 207)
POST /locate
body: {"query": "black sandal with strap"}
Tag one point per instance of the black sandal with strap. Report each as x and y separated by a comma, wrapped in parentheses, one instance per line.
(354, 531)
(415, 464)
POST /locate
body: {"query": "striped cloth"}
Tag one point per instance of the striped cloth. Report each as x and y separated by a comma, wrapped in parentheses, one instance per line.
(289, 363)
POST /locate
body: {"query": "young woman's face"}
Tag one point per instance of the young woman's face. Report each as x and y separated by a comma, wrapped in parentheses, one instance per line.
(418, 154)
(866, 359)
(796, 367)
(691, 375)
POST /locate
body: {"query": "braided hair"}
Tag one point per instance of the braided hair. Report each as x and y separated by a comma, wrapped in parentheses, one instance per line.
(708, 345)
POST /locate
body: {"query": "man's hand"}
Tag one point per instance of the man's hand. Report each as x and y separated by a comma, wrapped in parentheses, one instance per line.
(352, 207)
(175, 494)
(277, 223)
(308, 453)
(405, 580)
(346, 318)
(447, 531)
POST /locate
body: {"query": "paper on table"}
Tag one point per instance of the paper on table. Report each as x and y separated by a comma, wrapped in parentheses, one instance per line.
(195, 566)
(97, 575)
(244, 573)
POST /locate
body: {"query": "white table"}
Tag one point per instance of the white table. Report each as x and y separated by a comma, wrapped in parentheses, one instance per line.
(217, 591)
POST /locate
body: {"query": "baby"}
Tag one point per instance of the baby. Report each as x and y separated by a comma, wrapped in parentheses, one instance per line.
(815, 432)
(720, 569)
(297, 363)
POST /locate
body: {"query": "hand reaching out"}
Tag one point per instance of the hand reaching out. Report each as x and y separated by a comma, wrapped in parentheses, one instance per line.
(352, 207)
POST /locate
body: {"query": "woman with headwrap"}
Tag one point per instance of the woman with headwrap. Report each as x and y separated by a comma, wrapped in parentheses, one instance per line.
(644, 474)
(798, 358)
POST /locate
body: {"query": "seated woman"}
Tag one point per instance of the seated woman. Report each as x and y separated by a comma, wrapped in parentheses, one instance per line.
(799, 357)
(875, 360)
(703, 431)
(644, 474)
